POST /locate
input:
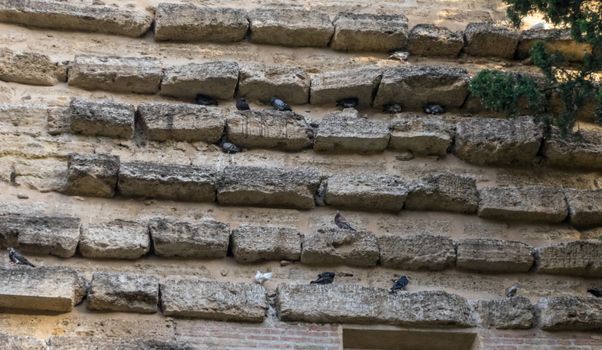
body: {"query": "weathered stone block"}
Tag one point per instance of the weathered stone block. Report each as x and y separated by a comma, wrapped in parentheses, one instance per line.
(585, 207)
(290, 27)
(29, 68)
(286, 131)
(40, 289)
(21, 342)
(182, 122)
(444, 192)
(70, 16)
(348, 303)
(509, 313)
(186, 22)
(261, 243)
(340, 132)
(217, 79)
(498, 141)
(123, 293)
(431, 40)
(93, 175)
(268, 187)
(422, 135)
(580, 150)
(417, 252)
(415, 86)
(203, 239)
(340, 247)
(570, 313)
(486, 39)
(223, 301)
(262, 82)
(104, 118)
(369, 32)
(533, 204)
(78, 342)
(116, 74)
(177, 182)
(330, 87)
(494, 255)
(367, 192)
(114, 240)
(555, 40)
(578, 258)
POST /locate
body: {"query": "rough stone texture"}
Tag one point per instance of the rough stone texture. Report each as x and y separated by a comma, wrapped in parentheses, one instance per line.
(186, 22)
(486, 39)
(367, 192)
(79, 342)
(417, 252)
(290, 27)
(422, 135)
(30, 68)
(262, 82)
(268, 187)
(444, 192)
(570, 313)
(116, 74)
(532, 204)
(431, 40)
(167, 181)
(333, 246)
(93, 175)
(329, 87)
(70, 16)
(40, 289)
(509, 313)
(580, 150)
(342, 133)
(287, 131)
(123, 293)
(38, 234)
(498, 141)
(349, 303)
(104, 118)
(182, 122)
(114, 240)
(223, 301)
(15, 342)
(415, 86)
(369, 32)
(203, 239)
(585, 207)
(557, 40)
(578, 258)
(494, 255)
(217, 79)
(263, 243)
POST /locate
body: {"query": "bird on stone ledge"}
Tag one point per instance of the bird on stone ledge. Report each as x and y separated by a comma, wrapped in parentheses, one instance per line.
(261, 277)
(342, 223)
(227, 146)
(432, 108)
(348, 102)
(242, 105)
(279, 104)
(512, 290)
(324, 278)
(17, 258)
(597, 292)
(399, 284)
(205, 100)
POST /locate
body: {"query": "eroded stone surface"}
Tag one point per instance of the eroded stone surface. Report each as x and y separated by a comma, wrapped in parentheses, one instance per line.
(30, 68)
(114, 240)
(585, 207)
(123, 293)
(217, 79)
(444, 192)
(578, 258)
(417, 252)
(557, 40)
(369, 32)
(330, 87)
(494, 255)
(367, 192)
(422, 135)
(486, 39)
(199, 239)
(431, 40)
(259, 243)
(262, 82)
(290, 27)
(21, 342)
(343, 133)
(509, 313)
(330, 246)
(580, 150)
(92, 175)
(570, 313)
(103, 118)
(112, 343)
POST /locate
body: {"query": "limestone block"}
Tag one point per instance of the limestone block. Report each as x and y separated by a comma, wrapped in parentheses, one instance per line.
(369, 32)
(262, 82)
(494, 255)
(217, 79)
(222, 301)
(78, 342)
(103, 118)
(342, 133)
(93, 175)
(580, 150)
(486, 39)
(182, 122)
(21, 342)
(29, 68)
(333, 246)
(415, 86)
(555, 40)
(422, 135)
(509, 313)
(203, 239)
(290, 27)
(444, 192)
(186, 22)
(262, 243)
(116, 74)
(167, 181)
(531, 203)
(431, 40)
(123, 293)
(585, 207)
(417, 252)
(367, 192)
(114, 240)
(578, 258)
(330, 87)
(570, 313)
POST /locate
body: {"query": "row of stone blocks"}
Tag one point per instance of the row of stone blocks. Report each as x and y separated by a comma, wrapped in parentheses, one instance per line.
(210, 239)
(58, 290)
(288, 27)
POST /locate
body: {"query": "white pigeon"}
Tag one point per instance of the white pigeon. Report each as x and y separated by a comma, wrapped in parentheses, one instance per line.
(261, 277)
(399, 55)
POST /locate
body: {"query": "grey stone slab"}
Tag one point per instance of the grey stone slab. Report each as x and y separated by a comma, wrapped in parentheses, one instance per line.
(262, 82)
(93, 175)
(30, 68)
(264, 243)
(217, 79)
(486, 39)
(570, 313)
(444, 192)
(369, 32)
(509, 313)
(422, 135)
(494, 255)
(577, 258)
(117, 239)
(330, 246)
(417, 252)
(585, 207)
(330, 87)
(434, 41)
(367, 192)
(102, 118)
(341, 132)
(290, 27)
(582, 150)
(123, 293)
(204, 239)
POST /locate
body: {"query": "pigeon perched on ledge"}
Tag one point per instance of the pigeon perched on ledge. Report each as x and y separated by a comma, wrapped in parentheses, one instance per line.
(17, 258)
(205, 100)
(342, 223)
(324, 278)
(279, 104)
(241, 104)
(227, 146)
(349, 102)
(392, 108)
(434, 109)
(399, 284)
(512, 290)
(261, 277)
(597, 292)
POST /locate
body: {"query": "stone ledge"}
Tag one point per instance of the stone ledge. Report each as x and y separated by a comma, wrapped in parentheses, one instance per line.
(330, 87)
(290, 27)
(570, 313)
(509, 313)
(581, 150)
(422, 135)
(262, 82)
(258, 243)
(493, 255)
(417, 252)
(117, 239)
(340, 247)
(205, 239)
(30, 68)
(123, 293)
(444, 192)
(585, 207)
(342, 132)
(369, 32)
(431, 40)
(217, 79)
(366, 192)
(578, 258)
(103, 118)
(93, 175)
(486, 39)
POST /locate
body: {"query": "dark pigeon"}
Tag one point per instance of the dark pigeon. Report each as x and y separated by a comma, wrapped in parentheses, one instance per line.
(205, 100)
(17, 258)
(512, 290)
(349, 102)
(399, 284)
(434, 109)
(279, 105)
(324, 278)
(241, 104)
(392, 108)
(597, 292)
(342, 223)
(227, 146)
